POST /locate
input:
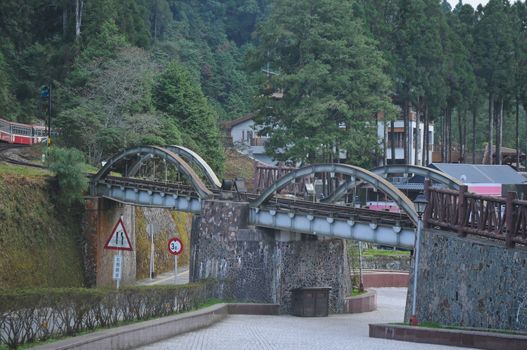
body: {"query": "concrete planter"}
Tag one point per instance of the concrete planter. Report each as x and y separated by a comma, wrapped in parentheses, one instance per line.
(450, 337)
(361, 303)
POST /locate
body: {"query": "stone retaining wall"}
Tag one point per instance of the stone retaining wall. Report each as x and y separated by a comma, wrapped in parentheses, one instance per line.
(260, 265)
(470, 282)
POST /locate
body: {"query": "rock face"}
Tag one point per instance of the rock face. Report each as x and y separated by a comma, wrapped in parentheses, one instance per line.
(261, 265)
(470, 282)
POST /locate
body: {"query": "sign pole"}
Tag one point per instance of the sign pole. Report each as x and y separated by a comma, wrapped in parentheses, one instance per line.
(175, 268)
(151, 255)
(175, 247)
(121, 260)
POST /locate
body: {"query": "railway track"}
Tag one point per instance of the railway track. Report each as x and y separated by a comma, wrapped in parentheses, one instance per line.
(6, 158)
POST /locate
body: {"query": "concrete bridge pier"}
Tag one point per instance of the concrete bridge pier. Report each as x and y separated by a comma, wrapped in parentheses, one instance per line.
(100, 218)
(264, 265)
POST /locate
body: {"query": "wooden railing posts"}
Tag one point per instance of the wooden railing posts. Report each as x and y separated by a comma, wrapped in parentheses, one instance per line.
(509, 219)
(462, 209)
(467, 213)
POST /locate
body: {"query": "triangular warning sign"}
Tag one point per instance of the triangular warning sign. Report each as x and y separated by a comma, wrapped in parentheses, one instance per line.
(119, 239)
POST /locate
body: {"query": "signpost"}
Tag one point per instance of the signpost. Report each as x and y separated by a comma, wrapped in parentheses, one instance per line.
(120, 241)
(150, 230)
(175, 247)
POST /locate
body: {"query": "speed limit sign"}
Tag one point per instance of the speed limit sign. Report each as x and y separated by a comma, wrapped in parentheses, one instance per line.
(175, 246)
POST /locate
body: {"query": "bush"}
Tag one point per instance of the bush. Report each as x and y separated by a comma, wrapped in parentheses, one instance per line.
(37, 314)
(67, 164)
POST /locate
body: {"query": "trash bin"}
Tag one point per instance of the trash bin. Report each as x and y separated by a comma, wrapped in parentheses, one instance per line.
(311, 301)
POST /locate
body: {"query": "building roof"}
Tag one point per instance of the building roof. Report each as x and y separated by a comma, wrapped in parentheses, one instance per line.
(480, 173)
(232, 123)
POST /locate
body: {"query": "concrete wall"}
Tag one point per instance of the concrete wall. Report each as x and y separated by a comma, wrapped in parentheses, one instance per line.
(100, 217)
(470, 282)
(260, 265)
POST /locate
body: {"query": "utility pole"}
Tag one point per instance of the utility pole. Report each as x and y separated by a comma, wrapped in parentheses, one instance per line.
(45, 92)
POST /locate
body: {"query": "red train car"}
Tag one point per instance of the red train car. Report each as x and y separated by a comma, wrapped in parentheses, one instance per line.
(22, 134)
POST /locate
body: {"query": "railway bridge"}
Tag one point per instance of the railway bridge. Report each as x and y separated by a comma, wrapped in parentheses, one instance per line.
(262, 246)
(268, 210)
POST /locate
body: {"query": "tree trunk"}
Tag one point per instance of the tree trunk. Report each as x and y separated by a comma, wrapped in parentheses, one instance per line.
(499, 131)
(426, 143)
(405, 132)
(491, 125)
(443, 137)
(79, 6)
(155, 24)
(464, 142)
(460, 127)
(385, 144)
(65, 21)
(449, 132)
(517, 134)
(417, 133)
(392, 126)
(474, 113)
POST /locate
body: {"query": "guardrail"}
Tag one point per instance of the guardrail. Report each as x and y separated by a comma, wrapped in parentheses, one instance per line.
(499, 218)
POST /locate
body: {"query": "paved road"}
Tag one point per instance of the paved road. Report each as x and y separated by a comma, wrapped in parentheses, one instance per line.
(167, 278)
(245, 332)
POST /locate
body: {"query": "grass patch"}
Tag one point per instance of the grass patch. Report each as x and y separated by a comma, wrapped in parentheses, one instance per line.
(22, 170)
(356, 292)
(385, 252)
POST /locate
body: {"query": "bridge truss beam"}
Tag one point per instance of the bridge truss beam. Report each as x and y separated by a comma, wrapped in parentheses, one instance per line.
(349, 170)
(286, 220)
(160, 152)
(432, 174)
(190, 156)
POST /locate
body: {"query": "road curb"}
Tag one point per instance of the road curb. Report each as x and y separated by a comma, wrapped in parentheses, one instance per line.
(148, 332)
(450, 337)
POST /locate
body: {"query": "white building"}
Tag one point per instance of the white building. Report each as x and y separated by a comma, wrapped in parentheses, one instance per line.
(385, 139)
(243, 134)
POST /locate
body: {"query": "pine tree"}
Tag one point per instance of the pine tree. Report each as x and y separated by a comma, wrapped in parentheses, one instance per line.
(332, 80)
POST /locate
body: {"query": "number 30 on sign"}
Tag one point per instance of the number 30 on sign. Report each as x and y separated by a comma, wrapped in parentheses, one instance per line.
(175, 246)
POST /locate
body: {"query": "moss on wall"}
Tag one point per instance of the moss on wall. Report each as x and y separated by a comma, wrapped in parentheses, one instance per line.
(39, 244)
(168, 224)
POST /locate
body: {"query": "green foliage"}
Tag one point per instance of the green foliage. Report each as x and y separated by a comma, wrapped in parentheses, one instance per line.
(385, 252)
(30, 315)
(178, 96)
(67, 164)
(332, 79)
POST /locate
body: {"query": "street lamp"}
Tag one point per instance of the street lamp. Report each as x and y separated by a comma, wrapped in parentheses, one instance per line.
(420, 203)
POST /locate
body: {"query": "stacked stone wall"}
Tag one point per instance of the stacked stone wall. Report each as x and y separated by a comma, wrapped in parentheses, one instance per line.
(254, 265)
(470, 282)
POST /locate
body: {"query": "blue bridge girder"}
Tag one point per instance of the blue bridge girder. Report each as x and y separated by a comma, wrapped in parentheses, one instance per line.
(335, 227)
(149, 194)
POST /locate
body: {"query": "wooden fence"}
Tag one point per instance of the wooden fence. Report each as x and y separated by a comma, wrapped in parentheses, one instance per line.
(498, 218)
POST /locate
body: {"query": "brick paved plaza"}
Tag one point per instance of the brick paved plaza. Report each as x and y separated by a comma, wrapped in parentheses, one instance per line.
(336, 332)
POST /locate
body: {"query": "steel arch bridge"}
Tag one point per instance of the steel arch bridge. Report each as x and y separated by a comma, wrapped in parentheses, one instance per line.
(432, 174)
(360, 224)
(189, 156)
(323, 219)
(150, 193)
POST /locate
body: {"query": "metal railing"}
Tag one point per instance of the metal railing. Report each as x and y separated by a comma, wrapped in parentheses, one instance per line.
(499, 218)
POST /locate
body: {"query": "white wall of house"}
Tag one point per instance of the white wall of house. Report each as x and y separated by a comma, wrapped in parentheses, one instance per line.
(383, 130)
(245, 137)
